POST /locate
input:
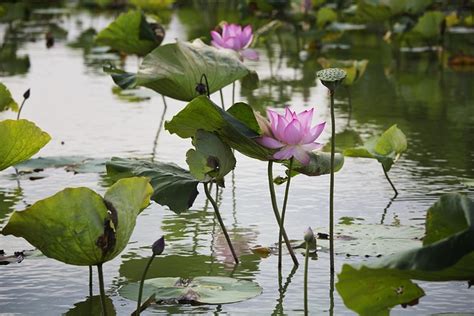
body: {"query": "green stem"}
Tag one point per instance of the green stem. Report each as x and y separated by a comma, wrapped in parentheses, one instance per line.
(390, 181)
(21, 108)
(102, 288)
(233, 92)
(142, 281)
(90, 282)
(283, 211)
(306, 257)
(221, 223)
(331, 186)
(222, 99)
(277, 214)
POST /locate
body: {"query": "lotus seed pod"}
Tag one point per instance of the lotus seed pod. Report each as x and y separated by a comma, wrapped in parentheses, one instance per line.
(331, 77)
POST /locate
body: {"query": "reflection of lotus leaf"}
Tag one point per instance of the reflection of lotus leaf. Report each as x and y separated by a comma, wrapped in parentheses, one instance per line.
(204, 290)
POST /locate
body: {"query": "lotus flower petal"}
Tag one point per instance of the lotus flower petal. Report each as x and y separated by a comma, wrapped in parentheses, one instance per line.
(314, 133)
(250, 54)
(269, 142)
(235, 38)
(285, 153)
(301, 155)
(293, 133)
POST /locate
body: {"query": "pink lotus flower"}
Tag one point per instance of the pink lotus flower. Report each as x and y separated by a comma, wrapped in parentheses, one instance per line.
(291, 133)
(235, 38)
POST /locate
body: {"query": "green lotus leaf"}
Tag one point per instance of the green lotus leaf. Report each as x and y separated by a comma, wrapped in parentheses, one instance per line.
(386, 149)
(370, 11)
(211, 158)
(238, 128)
(429, 25)
(325, 16)
(130, 33)
(354, 68)
(77, 226)
(19, 140)
(6, 99)
(204, 290)
(172, 185)
(175, 69)
(447, 254)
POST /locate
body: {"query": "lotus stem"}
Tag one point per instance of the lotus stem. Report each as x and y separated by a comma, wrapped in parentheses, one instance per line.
(271, 187)
(162, 120)
(222, 99)
(221, 223)
(306, 258)
(390, 181)
(331, 186)
(331, 295)
(233, 92)
(142, 281)
(102, 289)
(283, 211)
(90, 282)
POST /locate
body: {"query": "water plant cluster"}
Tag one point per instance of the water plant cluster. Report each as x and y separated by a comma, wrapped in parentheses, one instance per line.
(80, 227)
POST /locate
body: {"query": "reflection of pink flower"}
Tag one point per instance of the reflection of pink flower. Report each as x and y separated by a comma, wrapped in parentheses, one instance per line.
(291, 133)
(235, 38)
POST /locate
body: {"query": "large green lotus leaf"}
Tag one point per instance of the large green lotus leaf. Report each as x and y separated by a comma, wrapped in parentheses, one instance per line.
(325, 16)
(386, 148)
(6, 99)
(204, 290)
(172, 185)
(130, 33)
(77, 226)
(447, 253)
(19, 140)
(407, 6)
(368, 12)
(175, 69)
(429, 25)
(369, 292)
(354, 68)
(212, 157)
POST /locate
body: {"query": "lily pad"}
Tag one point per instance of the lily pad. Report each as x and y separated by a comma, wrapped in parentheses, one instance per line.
(76, 164)
(130, 33)
(386, 148)
(6, 99)
(172, 185)
(19, 140)
(79, 227)
(175, 69)
(211, 159)
(447, 254)
(203, 290)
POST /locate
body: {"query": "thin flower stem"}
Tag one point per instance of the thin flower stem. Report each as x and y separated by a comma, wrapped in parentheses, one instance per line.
(221, 223)
(331, 186)
(21, 108)
(233, 92)
(277, 214)
(102, 288)
(142, 281)
(283, 211)
(390, 181)
(222, 99)
(306, 258)
(90, 282)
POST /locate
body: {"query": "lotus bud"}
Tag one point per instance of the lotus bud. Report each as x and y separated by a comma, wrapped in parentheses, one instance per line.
(26, 95)
(309, 238)
(158, 246)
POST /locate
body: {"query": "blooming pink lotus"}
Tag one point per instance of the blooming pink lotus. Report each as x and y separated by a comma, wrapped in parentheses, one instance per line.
(235, 38)
(291, 133)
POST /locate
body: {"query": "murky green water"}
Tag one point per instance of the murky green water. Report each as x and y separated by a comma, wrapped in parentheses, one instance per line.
(73, 100)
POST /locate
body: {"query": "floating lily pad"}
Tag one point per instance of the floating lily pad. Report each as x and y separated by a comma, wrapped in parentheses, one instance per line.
(386, 148)
(175, 69)
(19, 140)
(172, 185)
(203, 290)
(6, 100)
(76, 164)
(130, 33)
(77, 226)
(447, 254)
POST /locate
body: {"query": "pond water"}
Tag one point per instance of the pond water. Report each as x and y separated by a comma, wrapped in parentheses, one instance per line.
(74, 101)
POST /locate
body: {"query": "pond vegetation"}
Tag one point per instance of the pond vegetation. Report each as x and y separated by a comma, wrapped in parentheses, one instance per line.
(259, 106)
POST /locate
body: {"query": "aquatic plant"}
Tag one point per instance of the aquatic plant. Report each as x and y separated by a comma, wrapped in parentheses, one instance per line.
(157, 249)
(310, 241)
(6, 100)
(386, 148)
(447, 254)
(83, 228)
(332, 78)
(236, 38)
